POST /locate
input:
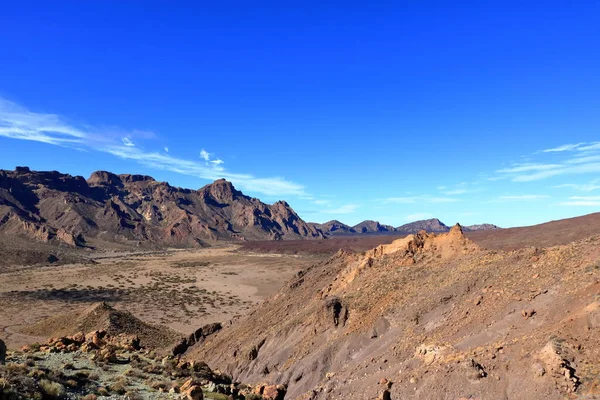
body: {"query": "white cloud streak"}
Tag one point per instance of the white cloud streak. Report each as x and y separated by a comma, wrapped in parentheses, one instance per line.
(564, 147)
(16, 122)
(128, 142)
(523, 197)
(418, 216)
(205, 155)
(345, 209)
(420, 199)
(573, 159)
(582, 187)
(580, 203)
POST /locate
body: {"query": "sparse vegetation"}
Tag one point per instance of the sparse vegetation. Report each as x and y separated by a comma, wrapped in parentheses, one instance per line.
(53, 389)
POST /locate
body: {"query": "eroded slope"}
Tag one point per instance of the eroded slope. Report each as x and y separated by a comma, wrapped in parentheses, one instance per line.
(428, 316)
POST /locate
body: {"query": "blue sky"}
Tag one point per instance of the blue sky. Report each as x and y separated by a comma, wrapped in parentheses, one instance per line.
(394, 111)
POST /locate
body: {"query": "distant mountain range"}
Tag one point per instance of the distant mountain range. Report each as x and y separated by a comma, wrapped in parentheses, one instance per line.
(136, 209)
(109, 208)
(336, 228)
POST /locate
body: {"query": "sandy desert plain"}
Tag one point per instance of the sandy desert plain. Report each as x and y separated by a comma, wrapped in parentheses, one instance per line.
(180, 289)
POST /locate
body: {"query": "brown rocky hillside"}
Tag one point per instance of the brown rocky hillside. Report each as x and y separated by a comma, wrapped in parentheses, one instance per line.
(429, 316)
(55, 207)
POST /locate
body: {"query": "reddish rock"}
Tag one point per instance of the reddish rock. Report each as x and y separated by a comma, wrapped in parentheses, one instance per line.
(79, 337)
(194, 393)
(274, 392)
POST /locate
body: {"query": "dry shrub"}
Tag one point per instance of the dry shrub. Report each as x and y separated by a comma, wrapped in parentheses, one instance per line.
(52, 389)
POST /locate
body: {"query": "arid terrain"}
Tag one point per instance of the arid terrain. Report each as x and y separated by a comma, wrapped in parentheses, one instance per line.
(427, 316)
(181, 289)
(477, 313)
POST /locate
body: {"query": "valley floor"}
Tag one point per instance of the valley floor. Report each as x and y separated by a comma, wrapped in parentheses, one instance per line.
(181, 289)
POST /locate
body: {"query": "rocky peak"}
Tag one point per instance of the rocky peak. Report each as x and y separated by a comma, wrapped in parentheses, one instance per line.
(429, 225)
(129, 178)
(104, 178)
(456, 230)
(222, 191)
(370, 226)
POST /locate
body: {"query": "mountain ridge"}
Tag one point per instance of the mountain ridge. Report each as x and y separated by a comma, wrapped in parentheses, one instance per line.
(49, 206)
(433, 225)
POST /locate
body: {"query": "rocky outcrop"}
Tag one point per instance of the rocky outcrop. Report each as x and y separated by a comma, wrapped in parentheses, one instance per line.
(136, 209)
(372, 227)
(369, 227)
(434, 313)
(428, 225)
(197, 336)
(481, 227)
(335, 227)
(101, 317)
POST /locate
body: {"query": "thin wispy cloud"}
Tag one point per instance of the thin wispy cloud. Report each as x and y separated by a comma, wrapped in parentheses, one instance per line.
(128, 142)
(16, 122)
(523, 197)
(528, 168)
(419, 199)
(455, 192)
(205, 155)
(580, 203)
(585, 198)
(569, 159)
(321, 202)
(460, 188)
(582, 187)
(583, 160)
(418, 216)
(345, 209)
(564, 147)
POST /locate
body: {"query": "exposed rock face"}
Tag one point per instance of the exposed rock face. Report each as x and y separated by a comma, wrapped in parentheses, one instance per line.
(101, 317)
(50, 206)
(481, 227)
(335, 227)
(428, 225)
(434, 313)
(197, 336)
(372, 227)
(434, 225)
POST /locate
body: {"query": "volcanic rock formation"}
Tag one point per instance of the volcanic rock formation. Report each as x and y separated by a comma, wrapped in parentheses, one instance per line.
(55, 207)
(427, 316)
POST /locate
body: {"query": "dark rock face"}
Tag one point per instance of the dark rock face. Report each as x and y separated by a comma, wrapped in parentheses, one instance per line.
(335, 227)
(372, 227)
(428, 225)
(50, 206)
(197, 336)
(369, 227)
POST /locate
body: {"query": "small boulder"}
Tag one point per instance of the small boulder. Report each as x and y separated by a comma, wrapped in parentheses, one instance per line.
(79, 337)
(187, 385)
(194, 393)
(527, 313)
(538, 370)
(274, 392)
(475, 371)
